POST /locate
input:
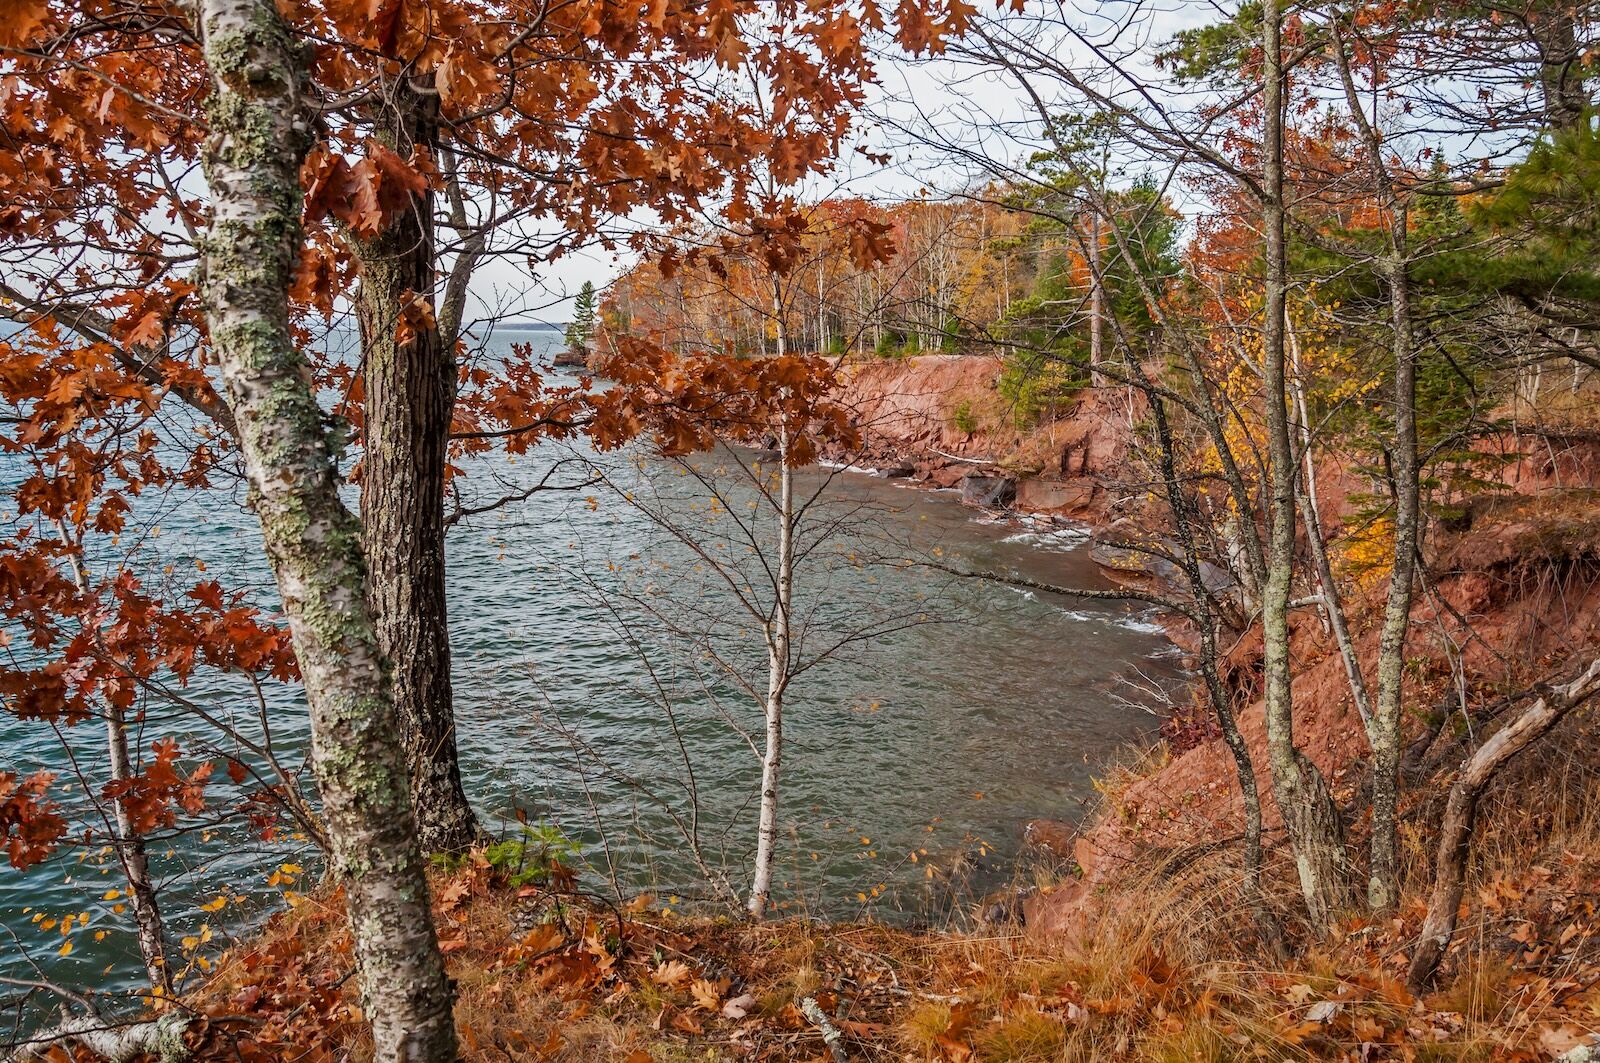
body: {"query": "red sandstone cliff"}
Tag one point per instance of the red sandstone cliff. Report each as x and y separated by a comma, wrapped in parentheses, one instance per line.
(942, 418)
(1514, 591)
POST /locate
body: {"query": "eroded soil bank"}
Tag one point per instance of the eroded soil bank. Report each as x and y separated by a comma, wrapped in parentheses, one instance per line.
(1510, 595)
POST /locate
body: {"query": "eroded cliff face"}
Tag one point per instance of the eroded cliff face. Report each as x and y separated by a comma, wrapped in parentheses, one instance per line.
(1512, 591)
(1511, 595)
(942, 419)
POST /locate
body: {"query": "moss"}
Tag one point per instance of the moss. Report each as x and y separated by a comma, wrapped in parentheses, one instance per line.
(262, 345)
(250, 255)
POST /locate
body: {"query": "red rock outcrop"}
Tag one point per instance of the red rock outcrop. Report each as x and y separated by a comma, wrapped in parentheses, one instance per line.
(944, 415)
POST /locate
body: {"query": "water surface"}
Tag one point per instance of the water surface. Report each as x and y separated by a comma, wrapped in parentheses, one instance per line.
(603, 675)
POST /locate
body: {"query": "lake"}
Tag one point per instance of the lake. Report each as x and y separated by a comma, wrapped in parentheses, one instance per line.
(602, 672)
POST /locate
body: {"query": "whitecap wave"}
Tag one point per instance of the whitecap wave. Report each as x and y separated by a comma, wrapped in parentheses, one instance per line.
(1056, 539)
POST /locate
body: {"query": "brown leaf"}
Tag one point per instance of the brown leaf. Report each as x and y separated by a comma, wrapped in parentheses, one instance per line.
(707, 994)
(672, 973)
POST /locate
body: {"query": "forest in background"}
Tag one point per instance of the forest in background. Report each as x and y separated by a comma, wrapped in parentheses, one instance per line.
(1354, 385)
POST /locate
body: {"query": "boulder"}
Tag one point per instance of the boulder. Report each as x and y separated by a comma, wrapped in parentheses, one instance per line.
(1065, 911)
(897, 472)
(978, 489)
(1054, 836)
(1054, 496)
(1008, 907)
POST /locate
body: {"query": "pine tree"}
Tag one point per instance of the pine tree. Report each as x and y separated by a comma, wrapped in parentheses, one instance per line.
(582, 326)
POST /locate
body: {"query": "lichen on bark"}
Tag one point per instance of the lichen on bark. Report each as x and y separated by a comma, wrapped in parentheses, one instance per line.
(258, 138)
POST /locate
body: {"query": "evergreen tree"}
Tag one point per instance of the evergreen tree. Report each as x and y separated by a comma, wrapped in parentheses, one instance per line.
(583, 317)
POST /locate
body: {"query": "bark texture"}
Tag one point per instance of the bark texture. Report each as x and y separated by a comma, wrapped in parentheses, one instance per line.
(1383, 888)
(1307, 807)
(410, 395)
(1460, 812)
(259, 135)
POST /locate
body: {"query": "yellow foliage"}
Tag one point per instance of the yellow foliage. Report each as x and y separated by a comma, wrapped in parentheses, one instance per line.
(1367, 554)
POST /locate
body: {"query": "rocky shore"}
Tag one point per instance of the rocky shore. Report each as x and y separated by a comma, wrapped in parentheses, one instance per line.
(940, 420)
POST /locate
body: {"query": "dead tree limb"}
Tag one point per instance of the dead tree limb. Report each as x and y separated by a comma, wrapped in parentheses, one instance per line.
(1455, 833)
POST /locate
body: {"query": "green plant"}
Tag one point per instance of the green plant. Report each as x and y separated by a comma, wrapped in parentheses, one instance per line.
(583, 317)
(527, 860)
(1034, 381)
(965, 419)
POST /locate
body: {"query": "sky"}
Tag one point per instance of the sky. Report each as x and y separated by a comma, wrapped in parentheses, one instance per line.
(950, 98)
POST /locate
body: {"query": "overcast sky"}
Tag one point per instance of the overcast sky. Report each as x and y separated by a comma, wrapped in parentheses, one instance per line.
(953, 99)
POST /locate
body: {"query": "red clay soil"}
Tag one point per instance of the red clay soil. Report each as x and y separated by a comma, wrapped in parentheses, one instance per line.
(1513, 593)
(1521, 570)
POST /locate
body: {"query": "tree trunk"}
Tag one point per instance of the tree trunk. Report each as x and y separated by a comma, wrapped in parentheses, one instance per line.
(136, 865)
(778, 641)
(1327, 585)
(129, 846)
(1455, 832)
(1267, 927)
(1307, 807)
(1096, 303)
(777, 683)
(1383, 888)
(260, 130)
(410, 395)
(1561, 76)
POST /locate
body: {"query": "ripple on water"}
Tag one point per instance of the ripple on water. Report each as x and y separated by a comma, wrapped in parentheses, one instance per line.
(944, 736)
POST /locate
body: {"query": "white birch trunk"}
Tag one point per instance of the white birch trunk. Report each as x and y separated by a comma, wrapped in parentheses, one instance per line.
(777, 637)
(259, 133)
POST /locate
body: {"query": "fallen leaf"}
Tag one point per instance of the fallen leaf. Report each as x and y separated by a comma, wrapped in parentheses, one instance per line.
(707, 994)
(738, 1007)
(1558, 1040)
(1323, 1010)
(671, 974)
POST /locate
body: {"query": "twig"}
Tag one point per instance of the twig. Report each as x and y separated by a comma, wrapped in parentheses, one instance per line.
(832, 1036)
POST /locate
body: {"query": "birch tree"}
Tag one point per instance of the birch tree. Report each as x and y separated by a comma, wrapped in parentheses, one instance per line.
(260, 130)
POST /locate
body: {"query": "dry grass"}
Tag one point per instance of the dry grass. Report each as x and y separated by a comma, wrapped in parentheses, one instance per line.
(1167, 971)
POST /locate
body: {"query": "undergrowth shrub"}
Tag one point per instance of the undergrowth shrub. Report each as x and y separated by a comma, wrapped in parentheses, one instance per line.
(532, 858)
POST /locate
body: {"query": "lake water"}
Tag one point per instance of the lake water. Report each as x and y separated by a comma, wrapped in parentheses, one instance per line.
(601, 671)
